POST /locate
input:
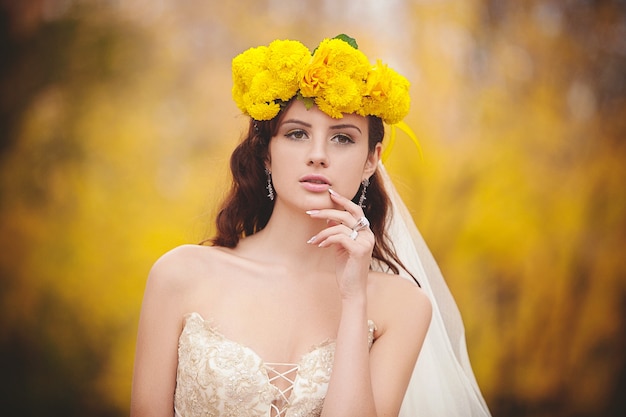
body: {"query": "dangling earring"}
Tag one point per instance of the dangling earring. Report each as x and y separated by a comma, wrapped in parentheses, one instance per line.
(270, 189)
(362, 198)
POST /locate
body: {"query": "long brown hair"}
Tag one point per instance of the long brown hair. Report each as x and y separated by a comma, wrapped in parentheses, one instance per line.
(247, 208)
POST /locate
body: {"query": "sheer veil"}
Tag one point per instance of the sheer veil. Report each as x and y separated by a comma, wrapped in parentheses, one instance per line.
(443, 383)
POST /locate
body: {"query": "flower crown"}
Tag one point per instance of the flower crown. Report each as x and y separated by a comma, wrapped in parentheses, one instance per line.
(336, 77)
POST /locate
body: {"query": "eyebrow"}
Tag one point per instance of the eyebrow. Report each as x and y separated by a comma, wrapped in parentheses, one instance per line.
(345, 126)
(298, 122)
(334, 127)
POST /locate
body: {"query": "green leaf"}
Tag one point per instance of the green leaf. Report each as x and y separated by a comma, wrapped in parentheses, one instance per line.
(350, 41)
(308, 101)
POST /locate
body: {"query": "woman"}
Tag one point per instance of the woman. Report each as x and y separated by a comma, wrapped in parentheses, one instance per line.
(285, 314)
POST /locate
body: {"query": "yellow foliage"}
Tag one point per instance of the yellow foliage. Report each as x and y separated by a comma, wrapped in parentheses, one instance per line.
(120, 150)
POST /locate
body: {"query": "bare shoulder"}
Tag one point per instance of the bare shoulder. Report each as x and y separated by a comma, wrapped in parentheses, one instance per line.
(179, 267)
(397, 301)
(184, 254)
(385, 287)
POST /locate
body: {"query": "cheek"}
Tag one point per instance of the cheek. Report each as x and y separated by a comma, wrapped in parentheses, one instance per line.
(354, 189)
(280, 151)
(276, 159)
(350, 180)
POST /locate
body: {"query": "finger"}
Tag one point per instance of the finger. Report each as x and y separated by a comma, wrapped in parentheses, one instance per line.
(346, 203)
(334, 217)
(362, 244)
(329, 231)
(343, 235)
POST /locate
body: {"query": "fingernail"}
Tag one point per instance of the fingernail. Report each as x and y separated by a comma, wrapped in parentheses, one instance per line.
(312, 239)
(312, 211)
(330, 190)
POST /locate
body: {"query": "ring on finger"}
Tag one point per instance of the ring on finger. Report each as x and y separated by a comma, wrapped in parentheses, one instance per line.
(354, 234)
(363, 223)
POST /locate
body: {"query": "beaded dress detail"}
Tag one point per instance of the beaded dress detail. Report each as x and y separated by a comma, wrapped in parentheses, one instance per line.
(217, 376)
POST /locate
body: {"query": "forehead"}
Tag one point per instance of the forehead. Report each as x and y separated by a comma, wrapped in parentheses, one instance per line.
(315, 117)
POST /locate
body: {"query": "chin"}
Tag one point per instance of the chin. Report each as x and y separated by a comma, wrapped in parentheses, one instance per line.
(316, 202)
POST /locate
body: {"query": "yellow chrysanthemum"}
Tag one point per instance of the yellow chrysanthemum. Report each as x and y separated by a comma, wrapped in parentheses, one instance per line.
(287, 59)
(343, 93)
(328, 108)
(247, 64)
(264, 87)
(342, 58)
(398, 100)
(261, 111)
(244, 68)
(338, 77)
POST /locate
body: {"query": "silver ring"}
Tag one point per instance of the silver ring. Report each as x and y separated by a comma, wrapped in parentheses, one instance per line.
(354, 234)
(363, 223)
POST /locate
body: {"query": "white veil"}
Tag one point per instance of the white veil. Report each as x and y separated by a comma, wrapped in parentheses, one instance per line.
(443, 383)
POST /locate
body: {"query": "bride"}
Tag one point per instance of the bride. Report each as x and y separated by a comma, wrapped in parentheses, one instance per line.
(315, 296)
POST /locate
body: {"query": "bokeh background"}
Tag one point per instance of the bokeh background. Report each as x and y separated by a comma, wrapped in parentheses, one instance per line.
(116, 124)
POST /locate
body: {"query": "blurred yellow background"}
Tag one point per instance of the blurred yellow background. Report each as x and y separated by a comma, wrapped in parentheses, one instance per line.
(116, 126)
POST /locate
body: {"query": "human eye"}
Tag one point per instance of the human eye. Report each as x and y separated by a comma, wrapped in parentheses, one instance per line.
(342, 139)
(296, 134)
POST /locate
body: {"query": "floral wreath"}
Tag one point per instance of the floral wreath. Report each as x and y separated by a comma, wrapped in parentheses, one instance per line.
(336, 77)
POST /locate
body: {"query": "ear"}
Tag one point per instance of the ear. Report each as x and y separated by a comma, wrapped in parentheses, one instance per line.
(371, 164)
(268, 163)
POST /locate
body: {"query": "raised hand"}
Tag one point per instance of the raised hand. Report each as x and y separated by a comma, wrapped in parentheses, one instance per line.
(348, 231)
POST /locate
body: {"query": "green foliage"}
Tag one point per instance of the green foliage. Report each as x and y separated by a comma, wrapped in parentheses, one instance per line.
(350, 41)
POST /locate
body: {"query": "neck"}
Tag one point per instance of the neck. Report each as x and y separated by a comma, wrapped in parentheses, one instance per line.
(284, 241)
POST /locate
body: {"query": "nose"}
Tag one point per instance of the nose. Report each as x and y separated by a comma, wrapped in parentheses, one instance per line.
(318, 155)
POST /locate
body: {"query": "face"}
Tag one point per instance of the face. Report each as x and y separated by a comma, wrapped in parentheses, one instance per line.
(312, 152)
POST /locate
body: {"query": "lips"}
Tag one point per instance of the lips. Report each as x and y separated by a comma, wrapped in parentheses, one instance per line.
(315, 183)
(315, 179)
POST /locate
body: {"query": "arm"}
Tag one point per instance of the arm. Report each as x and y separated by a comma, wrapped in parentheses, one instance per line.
(154, 376)
(368, 383)
(407, 311)
(350, 390)
(373, 383)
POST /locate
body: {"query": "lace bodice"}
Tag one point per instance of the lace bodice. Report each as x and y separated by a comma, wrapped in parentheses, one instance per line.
(220, 377)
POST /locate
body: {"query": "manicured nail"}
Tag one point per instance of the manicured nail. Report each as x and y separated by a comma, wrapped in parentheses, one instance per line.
(330, 190)
(312, 239)
(312, 211)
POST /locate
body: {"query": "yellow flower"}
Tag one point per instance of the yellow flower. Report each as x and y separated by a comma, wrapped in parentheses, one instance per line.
(338, 77)
(343, 58)
(378, 81)
(261, 111)
(264, 87)
(287, 59)
(314, 76)
(244, 68)
(387, 94)
(399, 100)
(342, 94)
(247, 64)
